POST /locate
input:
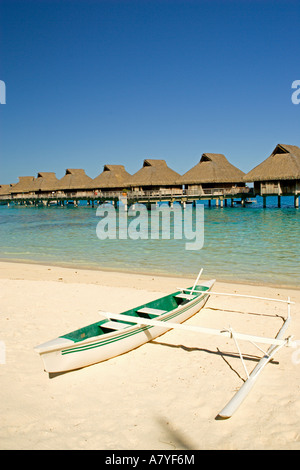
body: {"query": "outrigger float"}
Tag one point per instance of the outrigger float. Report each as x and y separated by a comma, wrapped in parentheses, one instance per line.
(119, 333)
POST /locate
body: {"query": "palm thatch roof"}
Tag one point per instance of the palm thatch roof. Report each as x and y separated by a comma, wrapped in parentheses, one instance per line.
(155, 173)
(113, 176)
(5, 189)
(45, 181)
(24, 185)
(213, 168)
(74, 179)
(282, 164)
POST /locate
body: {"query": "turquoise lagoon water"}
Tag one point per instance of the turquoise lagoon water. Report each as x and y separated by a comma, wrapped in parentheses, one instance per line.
(250, 244)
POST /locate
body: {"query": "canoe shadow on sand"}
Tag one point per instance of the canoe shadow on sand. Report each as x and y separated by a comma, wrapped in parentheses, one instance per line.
(223, 355)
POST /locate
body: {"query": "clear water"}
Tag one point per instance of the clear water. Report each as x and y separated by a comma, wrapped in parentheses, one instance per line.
(248, 244)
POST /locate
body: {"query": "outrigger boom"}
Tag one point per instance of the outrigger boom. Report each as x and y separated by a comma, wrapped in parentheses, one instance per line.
(275, 343)
(229, 333)
(288, 301)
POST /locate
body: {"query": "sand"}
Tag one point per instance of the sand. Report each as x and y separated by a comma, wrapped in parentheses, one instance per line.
(164, 395)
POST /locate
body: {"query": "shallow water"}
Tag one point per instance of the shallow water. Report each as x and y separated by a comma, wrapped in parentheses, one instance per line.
(245, 244)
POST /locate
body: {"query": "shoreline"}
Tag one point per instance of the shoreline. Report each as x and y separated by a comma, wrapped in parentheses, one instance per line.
(102, 270)
(164, 395)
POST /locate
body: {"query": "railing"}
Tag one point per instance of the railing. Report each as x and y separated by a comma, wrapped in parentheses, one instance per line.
(157, 193)
(217, 191)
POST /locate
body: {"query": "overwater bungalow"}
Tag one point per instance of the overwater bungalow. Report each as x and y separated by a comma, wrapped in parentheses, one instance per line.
(278, 175)
(155, 177)
(114, 178)
(213, 175)
(75, 183)
(5, 191)
(24, 187)
(45, 185)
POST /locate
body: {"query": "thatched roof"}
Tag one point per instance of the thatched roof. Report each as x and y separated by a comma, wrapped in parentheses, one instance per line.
(113, 176)
(24, 185)
(74, 179)
(155, 173)
(5, 189)
(282, 164)
(45, 182)
(213, 168)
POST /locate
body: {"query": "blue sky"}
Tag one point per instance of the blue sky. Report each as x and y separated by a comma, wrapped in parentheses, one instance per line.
(90, 83)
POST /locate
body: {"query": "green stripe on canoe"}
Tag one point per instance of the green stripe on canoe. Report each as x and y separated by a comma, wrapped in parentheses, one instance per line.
(125, 334)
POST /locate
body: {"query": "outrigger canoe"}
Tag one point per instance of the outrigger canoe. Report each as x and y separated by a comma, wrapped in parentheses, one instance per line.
(119, 333)
(109, 338)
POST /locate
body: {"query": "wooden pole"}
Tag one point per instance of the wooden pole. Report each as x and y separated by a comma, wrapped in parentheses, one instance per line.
(200, 272)
(227, 333)
(238, 295)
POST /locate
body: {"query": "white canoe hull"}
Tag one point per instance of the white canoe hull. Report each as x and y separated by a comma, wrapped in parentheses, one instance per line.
(62, 354)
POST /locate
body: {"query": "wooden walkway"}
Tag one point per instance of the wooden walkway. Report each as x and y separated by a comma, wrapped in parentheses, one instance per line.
(219, 198)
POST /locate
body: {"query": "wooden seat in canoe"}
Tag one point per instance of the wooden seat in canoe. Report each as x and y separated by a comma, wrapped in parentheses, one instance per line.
(151, 311)
(185, 296)
(114, 325)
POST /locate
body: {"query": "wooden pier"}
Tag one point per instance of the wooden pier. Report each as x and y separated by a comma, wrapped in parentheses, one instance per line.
(219, 198)
(214, 199)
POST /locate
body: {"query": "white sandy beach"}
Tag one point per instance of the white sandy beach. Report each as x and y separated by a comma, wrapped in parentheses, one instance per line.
(163, 395)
